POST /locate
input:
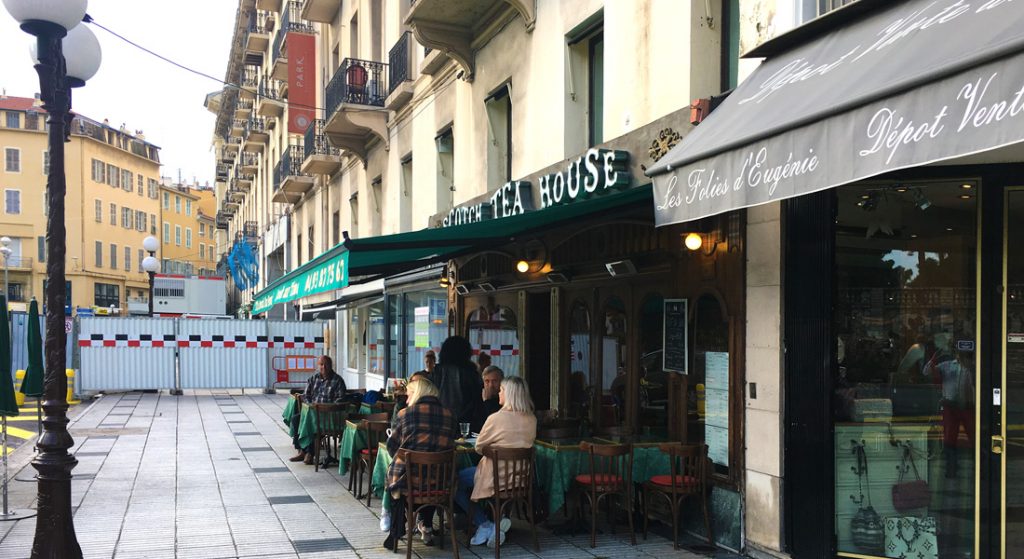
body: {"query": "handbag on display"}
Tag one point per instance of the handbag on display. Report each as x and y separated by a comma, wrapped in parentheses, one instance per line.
(911, 537)
(912, 494)
(866, 528)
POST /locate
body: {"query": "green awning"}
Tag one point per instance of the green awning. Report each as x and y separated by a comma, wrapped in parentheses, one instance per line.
(392, 254)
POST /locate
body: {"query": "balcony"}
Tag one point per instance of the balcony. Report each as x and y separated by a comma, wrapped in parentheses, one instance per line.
(269, 103)
(454, 26)
(236, 195)
(279, 57)
(222, 220)
(249, 164)
(319, 157)
(231, 146)
(249, 234)
(258, 38)
(255, 135)
(400, 88)
(237, 127)
(249, 80)
(242, 181)
(230, 204)
(321, 11)
(222, 172)
(269, 5)
(357, 88)
(291, 21)
(243, 108)
(19, 263)
(290, 183)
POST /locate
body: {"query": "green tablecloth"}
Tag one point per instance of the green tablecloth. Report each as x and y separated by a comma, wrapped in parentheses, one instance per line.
(352, 441)
(557, 465)
(465, 457)
(286, 414)
(307, 426)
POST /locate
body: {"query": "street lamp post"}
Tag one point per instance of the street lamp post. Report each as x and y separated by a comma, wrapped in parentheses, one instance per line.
(66, 55)
(5, 250)
(150, 265)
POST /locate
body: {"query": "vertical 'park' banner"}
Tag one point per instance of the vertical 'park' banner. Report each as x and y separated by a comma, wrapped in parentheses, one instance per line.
(301, 81)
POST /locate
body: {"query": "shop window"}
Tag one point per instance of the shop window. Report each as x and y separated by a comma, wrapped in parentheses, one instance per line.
(426, 326)
(493, 330)
(375, 340)
(709, 386)
(904, 373)
(107, 295)
(653, 401)
(581, 377)
(614, 377)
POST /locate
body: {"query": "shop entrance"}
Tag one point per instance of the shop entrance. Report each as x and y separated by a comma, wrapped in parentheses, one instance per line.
(538, 367)
(1007, 440)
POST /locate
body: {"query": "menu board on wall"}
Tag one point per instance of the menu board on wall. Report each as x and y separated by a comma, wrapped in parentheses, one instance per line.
(675, 317)
(716, 402)
(422, 327)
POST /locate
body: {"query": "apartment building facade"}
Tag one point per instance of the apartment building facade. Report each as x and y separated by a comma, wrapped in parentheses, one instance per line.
(188, 236)
(113, 181)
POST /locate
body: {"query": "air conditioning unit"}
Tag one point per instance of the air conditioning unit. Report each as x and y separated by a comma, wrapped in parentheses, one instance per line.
(621, 268)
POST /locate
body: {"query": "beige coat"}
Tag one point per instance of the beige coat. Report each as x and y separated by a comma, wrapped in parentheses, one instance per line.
(505, 429)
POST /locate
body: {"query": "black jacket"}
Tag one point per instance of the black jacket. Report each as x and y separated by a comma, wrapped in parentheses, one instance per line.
(460, 388)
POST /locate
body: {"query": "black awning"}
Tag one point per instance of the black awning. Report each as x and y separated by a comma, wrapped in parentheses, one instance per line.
(908, 84)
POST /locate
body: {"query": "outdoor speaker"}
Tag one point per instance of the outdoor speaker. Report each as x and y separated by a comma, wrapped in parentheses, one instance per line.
(620, 268)
(558, 277)
(487, 286)
(462, 289)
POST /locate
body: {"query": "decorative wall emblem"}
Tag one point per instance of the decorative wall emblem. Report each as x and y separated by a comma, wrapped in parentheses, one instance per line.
(666, 140)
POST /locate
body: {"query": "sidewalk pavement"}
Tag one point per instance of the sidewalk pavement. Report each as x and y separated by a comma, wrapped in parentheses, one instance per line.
(206, 475)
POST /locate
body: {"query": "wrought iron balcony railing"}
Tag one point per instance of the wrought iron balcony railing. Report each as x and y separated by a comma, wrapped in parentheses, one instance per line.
(17, 262)
(291, 18)
(258, 22)
(315, 142)
(250, 78)
(222, 171)
(269, 88)
(277, 49)
(398, 61)
(249, 160)
(222, 220)
(290, 165)
(233, 141)
(362, 82)
(255, 124)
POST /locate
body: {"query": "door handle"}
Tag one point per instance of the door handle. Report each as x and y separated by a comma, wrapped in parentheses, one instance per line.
(997, 444)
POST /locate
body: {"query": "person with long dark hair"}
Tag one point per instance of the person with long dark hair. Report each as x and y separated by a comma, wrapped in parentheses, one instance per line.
(457, 378)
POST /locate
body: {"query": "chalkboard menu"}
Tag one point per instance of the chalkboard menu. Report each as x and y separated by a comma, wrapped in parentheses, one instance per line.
(674, 357)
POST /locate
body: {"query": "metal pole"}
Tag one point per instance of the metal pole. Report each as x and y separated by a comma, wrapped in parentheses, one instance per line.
(151, 276)
(55, 529)
(3, 449)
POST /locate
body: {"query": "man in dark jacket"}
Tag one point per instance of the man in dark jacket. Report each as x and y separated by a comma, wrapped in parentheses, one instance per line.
(488, 403)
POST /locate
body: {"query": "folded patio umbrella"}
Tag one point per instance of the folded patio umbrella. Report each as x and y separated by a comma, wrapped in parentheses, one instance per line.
(8, 405)
(32, 385)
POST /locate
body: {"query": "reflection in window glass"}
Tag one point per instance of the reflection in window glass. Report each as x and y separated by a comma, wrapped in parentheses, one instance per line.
(653, 393)
(426, 320)
(493, 330)
(613, 364)
(394, 324)
(709, 381)
(375, 339)
(905, 373)
(354, 328)
(580, 385)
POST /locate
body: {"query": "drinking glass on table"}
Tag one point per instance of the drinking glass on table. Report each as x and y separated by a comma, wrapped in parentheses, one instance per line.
(464, 428)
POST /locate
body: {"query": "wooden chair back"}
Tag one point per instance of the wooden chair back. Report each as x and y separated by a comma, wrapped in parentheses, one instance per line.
(384, 407)
(376, 433)
(429, 477)
(688, 466)
(513, 472)
(611, 466)
(330, 419)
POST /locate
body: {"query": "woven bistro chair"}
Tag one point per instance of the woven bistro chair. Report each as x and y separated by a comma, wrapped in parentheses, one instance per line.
(514, 474)
(429, 482)
(376, 432)
(330, 422)
(610, 475)
(688, 478)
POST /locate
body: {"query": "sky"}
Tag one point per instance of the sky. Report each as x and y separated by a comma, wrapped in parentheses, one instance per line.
(137, 89)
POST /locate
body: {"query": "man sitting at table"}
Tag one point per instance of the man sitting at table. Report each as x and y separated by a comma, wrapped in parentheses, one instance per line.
(514, 426)
(488, 404)
(425, 425)
(325, 387)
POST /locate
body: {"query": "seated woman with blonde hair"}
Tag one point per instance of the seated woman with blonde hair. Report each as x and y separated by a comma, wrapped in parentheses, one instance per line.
(513, 426)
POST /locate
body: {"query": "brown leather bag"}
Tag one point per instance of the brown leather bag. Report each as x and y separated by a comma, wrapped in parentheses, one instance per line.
(912, 494)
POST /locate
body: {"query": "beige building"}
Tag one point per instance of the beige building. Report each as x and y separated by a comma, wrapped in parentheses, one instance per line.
(113, 180)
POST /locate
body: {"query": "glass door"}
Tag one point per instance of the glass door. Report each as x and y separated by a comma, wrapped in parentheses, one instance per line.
(1008, 435)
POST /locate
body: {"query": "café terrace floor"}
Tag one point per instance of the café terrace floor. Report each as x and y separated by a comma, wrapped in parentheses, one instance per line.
(206, 475)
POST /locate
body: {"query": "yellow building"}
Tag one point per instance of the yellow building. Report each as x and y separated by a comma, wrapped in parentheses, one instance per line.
(187, 230)
(112, 189)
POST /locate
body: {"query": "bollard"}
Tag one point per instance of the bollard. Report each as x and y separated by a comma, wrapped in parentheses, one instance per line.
(70, 373)
(19, 396)
(701, 401)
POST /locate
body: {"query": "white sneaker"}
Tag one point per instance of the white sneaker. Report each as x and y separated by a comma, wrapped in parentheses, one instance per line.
(503, 527)
(385, 521)
(505, 524)
(484, 532)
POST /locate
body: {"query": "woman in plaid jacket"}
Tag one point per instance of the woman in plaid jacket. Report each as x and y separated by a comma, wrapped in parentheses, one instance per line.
(424, 426)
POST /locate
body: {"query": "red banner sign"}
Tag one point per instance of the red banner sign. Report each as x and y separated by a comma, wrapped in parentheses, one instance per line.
(301, 81)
